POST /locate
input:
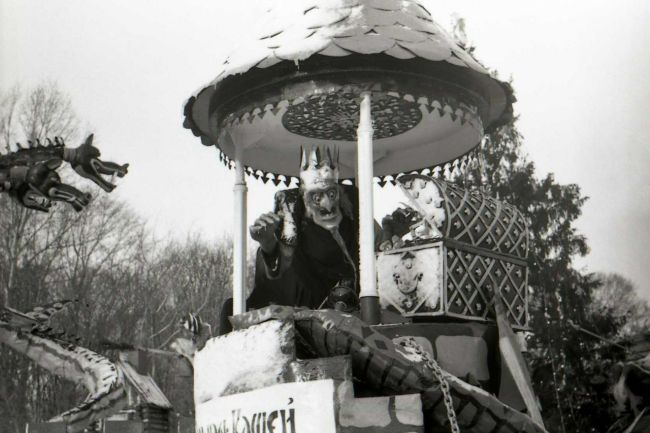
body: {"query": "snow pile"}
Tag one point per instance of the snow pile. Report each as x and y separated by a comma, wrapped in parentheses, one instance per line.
(243, 360)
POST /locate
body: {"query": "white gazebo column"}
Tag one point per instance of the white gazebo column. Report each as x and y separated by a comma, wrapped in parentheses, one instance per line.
(240, 237)
(368, 297)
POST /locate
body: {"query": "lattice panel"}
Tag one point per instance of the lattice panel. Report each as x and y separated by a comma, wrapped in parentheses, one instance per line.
(472, 217)
(471, 283)
(480, 220)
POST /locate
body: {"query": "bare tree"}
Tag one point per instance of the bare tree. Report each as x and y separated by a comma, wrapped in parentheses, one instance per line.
(130, 287)
(91, 257)
(192, 276)
(27, 116)
(8, 113)
(618, 297)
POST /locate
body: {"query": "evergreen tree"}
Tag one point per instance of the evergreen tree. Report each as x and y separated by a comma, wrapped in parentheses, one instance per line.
(567, 366)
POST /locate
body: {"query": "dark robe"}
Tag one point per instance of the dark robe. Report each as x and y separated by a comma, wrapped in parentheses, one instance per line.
(318, 263)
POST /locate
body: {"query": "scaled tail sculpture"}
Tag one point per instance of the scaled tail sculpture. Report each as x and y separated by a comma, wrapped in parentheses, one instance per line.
(29, 175)
(31, 334)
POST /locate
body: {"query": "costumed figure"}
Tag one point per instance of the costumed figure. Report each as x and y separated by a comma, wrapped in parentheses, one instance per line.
(309, 243)
(308, 254)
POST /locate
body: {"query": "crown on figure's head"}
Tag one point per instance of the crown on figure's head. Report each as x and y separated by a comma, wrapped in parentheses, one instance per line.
(319, 167)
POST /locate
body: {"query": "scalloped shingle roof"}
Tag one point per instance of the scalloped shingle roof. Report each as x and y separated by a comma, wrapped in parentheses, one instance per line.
(258, 93)
(402, 29)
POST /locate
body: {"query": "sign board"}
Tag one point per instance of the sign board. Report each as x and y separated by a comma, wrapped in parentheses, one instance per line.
(298, 407)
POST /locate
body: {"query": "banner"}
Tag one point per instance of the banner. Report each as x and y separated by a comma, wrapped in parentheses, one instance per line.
(299, 407)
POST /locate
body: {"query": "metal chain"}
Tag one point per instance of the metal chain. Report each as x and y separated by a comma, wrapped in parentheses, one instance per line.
(444, 385)
(446, 393)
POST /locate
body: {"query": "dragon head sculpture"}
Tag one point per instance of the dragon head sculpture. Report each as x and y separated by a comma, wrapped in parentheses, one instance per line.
(30, 175)
(85, 161)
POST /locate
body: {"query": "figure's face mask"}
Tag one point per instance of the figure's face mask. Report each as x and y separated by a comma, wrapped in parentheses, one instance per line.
(320, 189)
(322, 206)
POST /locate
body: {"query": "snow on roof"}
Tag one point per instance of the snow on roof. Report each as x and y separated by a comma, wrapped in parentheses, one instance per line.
(399, 37)
(296, 30)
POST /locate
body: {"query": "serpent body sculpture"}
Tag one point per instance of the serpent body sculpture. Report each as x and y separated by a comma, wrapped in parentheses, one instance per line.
(28, 334)
(392, 368)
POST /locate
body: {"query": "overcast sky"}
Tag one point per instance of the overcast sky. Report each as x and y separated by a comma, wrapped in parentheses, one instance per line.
(581, 72)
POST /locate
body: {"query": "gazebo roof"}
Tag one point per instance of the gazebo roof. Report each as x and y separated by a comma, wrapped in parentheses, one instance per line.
(308, 36)
(402, 29)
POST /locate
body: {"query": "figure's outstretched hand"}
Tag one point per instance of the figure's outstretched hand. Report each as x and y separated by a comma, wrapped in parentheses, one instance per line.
(263, 231)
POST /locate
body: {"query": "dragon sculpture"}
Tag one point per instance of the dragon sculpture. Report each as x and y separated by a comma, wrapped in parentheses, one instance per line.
(31, 334)
(29, 175)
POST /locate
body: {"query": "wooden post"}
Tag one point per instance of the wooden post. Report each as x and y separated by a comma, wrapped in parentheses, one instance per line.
(240, 237)
(369, 299)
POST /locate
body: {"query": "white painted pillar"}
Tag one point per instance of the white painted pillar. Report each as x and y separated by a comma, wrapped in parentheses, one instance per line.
(240, 238)
(368, 296)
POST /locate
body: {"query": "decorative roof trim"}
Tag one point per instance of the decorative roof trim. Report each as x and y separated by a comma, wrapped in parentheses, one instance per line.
(444, 171)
